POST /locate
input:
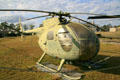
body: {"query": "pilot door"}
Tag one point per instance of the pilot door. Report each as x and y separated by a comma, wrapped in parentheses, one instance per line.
(51, 45)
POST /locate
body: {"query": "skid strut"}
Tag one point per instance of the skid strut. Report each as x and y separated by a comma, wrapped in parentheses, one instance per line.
(58, 69)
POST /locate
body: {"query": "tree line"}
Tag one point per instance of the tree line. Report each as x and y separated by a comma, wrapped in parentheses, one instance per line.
(11, 29)
(104, 28)
(108, 26)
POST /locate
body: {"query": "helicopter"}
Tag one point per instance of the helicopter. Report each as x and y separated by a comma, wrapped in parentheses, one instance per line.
(61, 38)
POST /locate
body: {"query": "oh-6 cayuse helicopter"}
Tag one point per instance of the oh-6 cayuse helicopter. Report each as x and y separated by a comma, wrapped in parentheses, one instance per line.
(61, 38)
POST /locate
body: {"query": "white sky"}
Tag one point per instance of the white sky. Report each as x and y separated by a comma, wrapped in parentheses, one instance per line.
(109, 7)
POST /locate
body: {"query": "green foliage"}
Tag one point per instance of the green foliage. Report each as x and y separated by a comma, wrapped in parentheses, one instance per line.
(32, 26)
(117, 26)
(4, 28)
(25, 27)
(17, 27)
(106, 27)
(12, 29)
(8, 29)
(4, 25)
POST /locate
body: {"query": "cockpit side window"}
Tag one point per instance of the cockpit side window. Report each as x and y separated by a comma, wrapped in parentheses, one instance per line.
(50, 35)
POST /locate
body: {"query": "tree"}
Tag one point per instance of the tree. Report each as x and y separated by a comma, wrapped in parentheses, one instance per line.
(0, 27)
(17, 27)
(4, 28)
(11, 27)
(4, 25)
(106, 27)
(25, 27)
(32, 26)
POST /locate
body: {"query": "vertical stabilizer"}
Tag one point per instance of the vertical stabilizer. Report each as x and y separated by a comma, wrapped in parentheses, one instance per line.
(21, 28)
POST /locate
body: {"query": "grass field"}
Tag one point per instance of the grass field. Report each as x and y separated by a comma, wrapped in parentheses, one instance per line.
(17, 57)
(113, 35)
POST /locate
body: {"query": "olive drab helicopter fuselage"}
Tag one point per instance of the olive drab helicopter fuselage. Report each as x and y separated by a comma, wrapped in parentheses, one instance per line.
(68, 41)
(71, 41)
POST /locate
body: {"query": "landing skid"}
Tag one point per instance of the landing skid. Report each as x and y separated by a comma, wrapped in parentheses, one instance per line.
(65, 74)
(62, 72)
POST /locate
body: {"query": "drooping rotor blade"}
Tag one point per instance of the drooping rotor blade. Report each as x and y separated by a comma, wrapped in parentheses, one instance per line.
(37, 17)
(26, 10)
(104, 17)
(87, 22)
(84, 13)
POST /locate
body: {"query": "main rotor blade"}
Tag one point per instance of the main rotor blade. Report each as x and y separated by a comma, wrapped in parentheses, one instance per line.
(26, 10)
(37, 17)
(87, 22)
(104, 17)
(84, 13)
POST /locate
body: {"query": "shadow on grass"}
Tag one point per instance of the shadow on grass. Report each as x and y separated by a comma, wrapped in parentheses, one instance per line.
(111, 65)
(17, 69)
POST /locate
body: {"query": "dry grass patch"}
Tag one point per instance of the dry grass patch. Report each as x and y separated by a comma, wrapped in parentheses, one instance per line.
(17, 57)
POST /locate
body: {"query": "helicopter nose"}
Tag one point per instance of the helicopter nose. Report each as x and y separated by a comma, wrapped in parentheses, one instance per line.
(67, 47)
(66, 44)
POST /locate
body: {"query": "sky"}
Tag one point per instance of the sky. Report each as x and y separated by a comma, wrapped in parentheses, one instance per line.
(109, 7)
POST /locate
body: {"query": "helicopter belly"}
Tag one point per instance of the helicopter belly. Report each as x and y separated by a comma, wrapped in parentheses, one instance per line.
(54, 49)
